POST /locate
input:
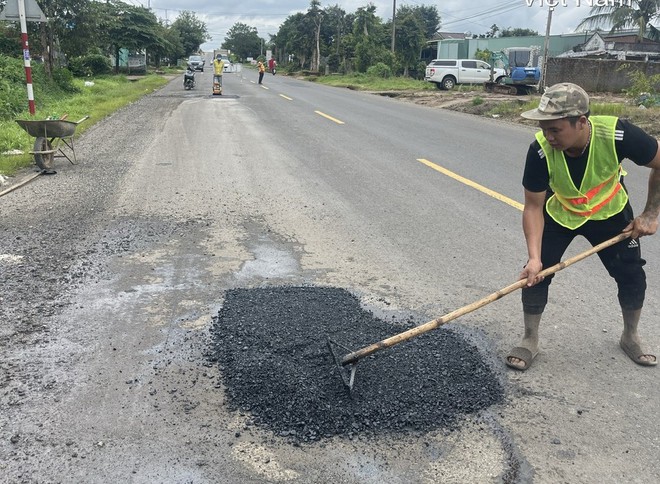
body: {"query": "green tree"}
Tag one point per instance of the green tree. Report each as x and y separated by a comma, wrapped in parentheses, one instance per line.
(369, 38)
(61, 15)
(366, 22)
(169, 48)
(639, 15)
(77, 30)
(483, 55)
(300, 32)
(337, 25)
(174, 49)
(348, 44)
(492, 32)
(414, 26)
(129, 27)
(10, 39)
(517, 32)
(365, 54)
(315, 15)
(243, 41)
(192, 32)
(430, 19)
(290, 40)
(335, 36)
(410, 37)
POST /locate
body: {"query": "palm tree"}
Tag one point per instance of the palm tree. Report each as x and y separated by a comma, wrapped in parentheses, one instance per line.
(636, 14)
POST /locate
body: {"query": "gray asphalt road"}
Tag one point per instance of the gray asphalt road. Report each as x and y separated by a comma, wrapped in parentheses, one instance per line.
(118, 264)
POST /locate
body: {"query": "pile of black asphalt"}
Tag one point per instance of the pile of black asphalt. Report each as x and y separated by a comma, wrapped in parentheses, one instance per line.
(271, 345)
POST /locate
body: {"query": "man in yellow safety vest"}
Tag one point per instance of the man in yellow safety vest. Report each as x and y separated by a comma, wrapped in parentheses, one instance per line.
(573, 183)
(218, 69)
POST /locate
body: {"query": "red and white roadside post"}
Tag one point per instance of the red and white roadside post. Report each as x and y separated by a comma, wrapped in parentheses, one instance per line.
(19, 10)
(26, 55)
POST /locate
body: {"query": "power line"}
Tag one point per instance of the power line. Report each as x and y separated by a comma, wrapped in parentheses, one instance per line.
(497, 10)
(493, 12)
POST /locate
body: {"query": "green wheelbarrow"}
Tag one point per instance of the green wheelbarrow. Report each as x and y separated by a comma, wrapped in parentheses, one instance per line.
(48, 134)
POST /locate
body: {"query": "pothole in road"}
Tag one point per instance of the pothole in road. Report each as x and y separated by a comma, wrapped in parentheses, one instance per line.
(270, 261)
(271, 345)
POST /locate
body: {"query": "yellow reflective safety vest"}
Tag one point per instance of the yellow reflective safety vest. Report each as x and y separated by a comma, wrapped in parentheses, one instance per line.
(601, 194)
(218, 67)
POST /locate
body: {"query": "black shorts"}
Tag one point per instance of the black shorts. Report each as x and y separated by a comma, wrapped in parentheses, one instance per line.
(623, 261)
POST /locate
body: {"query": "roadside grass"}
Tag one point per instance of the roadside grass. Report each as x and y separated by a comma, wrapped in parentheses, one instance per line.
(107, 95)
(611, 109)
(510, 108)
(363, 82)
(645, 118)
(516, 107)
(169, 70)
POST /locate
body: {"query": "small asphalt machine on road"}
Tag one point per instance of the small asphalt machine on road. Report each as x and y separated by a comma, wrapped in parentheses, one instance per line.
(217, 85)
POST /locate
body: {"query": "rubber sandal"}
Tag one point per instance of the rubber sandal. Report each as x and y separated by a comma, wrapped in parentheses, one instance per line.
(634, 352)
(522, 354)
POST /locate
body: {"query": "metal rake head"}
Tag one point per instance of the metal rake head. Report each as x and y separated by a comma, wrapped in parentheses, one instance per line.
(347, 377)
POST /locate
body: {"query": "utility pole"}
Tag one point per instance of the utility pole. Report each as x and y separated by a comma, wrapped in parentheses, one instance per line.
(393, 23)
(545, 52)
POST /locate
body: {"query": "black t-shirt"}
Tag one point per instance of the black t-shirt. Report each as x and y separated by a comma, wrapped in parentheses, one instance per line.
(631, 142)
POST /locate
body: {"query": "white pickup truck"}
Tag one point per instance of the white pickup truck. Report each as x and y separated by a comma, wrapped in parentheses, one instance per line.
(446, 73)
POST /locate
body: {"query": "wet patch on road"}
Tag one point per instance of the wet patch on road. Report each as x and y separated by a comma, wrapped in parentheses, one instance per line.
(271, 345)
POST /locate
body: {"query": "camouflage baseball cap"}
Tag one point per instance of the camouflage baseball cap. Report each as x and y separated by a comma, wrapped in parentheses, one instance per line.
(560, 101)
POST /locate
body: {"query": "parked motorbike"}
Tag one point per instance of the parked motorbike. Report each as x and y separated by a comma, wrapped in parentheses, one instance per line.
(189, 78)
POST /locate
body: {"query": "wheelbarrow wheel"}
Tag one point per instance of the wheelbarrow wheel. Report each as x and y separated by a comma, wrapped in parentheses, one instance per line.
(43, 160)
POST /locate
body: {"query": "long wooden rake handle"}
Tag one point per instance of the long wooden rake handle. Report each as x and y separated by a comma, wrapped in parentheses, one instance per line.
(352, 358)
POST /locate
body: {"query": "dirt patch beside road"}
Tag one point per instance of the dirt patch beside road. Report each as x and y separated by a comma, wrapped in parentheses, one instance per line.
(508, 108)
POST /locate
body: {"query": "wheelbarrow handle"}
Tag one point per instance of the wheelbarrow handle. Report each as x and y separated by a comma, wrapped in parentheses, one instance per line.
(352, 358)
(82, 119)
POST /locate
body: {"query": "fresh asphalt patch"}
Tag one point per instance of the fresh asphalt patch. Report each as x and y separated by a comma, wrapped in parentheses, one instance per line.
(271, 345)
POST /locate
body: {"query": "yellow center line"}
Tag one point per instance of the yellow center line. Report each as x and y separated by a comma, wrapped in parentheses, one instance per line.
(329, 117)
(472, 184)
(286, 97)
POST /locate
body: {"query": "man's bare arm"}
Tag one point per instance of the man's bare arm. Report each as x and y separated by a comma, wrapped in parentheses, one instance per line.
(533, 224)
(647, 222)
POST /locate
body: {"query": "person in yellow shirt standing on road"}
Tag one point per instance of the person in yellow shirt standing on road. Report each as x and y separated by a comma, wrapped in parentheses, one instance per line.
(262, 70)
(218, 69)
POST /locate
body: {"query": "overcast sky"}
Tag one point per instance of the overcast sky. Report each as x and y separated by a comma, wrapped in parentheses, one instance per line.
(474, 16)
